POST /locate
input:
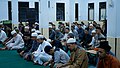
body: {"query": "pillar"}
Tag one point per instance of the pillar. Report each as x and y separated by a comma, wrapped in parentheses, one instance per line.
(43, 17)
(14, 12)
(83, 9)
(72, 10)
(3, 10)
(113, 25)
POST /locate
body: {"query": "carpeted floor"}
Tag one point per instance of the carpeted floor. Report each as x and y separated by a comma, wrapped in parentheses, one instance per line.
(11, 59)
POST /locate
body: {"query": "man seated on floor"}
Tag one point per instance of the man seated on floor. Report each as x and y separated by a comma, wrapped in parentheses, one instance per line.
(3, 35)
(15, 43)
(78, 58)
(59, 56)
(105, 59)
(39, 56)
(28, 43)
(34, 46)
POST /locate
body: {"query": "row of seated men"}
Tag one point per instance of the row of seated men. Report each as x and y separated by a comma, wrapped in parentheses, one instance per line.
(53, 53)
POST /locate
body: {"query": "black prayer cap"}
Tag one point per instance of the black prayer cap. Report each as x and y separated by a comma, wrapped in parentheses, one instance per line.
(98, 28)
(104, 45)
(71, 35)
(47, 49)
(87, 29)
(101, 38)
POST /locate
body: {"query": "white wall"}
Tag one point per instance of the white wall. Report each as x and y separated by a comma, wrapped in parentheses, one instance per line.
(114, 19)
(66, 8)
(15, 11)
(43, 21)
(96, 8)
(113, 27)
(83, 10)
(31, 4)
(71, 11)
(3, 10)
(52, 11)
(118, 18)
(26, 0)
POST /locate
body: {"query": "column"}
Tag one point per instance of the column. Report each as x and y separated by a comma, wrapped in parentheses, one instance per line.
(3, 10)
(79, 2)
(83, 9)
(72, 10)
(113, 26)
(96, 10)
(43, 17)
(15, 12)
(67, 19)
(51, 8)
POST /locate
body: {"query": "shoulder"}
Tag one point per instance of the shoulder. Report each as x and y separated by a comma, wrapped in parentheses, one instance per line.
(114, 60)
(115, 63)
(57, 53)
(2, 31)
(47, 43)
(81, 51)
(19, 36)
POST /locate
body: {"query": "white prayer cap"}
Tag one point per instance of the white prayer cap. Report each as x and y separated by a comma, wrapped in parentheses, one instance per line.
(57, 29)
(71, 40)
(91, 25)
(36, 23)
(26, 27)
(37, 31)
(33, 30)
(50, 26)
(13, 32)
(93, 31)
(1, 23)
(40, 37)
(27, 22)
(49, 40)
(34, 34)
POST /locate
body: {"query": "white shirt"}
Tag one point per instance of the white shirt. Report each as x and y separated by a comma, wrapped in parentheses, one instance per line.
(61, 57)
(3, 36)
(41, 48)
(16, 40)
(93, 41)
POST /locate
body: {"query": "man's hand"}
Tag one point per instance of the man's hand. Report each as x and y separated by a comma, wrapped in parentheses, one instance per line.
(46, 63)
(59, 66)
(21, 53)
(26, 56)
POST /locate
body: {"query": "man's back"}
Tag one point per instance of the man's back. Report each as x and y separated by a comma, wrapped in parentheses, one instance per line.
(61, 56)
(78, 59)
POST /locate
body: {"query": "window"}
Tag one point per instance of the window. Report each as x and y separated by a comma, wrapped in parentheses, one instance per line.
(37, 11)
(48, 4)
(102, 11)
(76, 12)
(9, 10)
(22, 8)
(60, 12)
(91, 11)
